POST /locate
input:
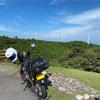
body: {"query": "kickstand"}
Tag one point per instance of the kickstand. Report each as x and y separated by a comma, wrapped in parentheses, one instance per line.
(28, 85)
(25, 87)
(24, 82)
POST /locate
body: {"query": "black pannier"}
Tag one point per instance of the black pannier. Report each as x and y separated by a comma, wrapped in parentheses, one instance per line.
(39, 65)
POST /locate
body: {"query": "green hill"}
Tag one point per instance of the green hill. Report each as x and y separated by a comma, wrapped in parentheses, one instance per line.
(75, 54)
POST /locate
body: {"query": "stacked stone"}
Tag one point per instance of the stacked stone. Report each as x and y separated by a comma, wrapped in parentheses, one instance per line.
(68, 85)
(88, 97)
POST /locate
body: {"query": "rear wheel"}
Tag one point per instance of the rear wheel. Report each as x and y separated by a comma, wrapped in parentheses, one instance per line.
(40, 90)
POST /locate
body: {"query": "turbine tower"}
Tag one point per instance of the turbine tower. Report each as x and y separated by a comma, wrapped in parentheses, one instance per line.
(36, 37)
(62, 37)
(88, 39)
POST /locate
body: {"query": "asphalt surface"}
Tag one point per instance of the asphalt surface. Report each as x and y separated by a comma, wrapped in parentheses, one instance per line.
(11, 88)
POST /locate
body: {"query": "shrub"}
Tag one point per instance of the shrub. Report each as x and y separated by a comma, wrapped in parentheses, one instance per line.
(97, 69)
(89, 68)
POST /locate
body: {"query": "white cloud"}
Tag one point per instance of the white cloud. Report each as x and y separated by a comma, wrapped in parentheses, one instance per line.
(20, 18)
(17, 21)
(16, 24)
(6, 29)
(3, 3)
(63, 11)
(56, 1)
(26, 33)
(84, 17)
(71, 32)
(76, 26)
(80, 26)
(54, 21)
(56, 34)
(53, 2)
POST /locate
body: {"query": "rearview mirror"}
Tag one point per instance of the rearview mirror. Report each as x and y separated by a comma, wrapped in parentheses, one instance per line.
(33, 45)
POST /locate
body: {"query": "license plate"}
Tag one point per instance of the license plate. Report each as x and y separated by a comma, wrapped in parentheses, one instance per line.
(40, 76)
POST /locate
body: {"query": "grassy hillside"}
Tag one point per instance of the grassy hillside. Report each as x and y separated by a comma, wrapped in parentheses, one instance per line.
(90, 78)
(76, 54)
(43, 48)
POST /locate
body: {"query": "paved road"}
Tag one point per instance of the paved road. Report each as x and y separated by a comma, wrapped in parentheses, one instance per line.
(11, 88)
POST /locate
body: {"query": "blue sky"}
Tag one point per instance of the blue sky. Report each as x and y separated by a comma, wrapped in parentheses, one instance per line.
(51, 19)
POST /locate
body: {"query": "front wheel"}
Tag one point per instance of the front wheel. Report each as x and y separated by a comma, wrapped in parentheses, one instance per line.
(40, 90)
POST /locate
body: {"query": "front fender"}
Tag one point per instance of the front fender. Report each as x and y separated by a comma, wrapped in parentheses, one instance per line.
(46, 82)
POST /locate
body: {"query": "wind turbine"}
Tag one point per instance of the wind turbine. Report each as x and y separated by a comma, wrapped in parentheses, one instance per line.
(62, 37)
(89, 38)
(36, 37)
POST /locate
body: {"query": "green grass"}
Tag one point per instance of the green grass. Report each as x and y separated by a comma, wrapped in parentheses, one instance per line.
(89, 78)
(10, 64)
(54, 95)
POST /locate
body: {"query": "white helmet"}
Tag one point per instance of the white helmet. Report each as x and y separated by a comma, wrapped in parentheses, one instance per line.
(11, 54)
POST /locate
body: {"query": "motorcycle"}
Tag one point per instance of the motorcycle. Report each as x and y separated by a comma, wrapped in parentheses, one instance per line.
(32, 72)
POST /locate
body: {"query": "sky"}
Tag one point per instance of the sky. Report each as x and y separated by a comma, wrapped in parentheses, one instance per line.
(51, 20)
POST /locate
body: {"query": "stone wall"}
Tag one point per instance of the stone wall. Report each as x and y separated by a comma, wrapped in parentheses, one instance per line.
(68, 85)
